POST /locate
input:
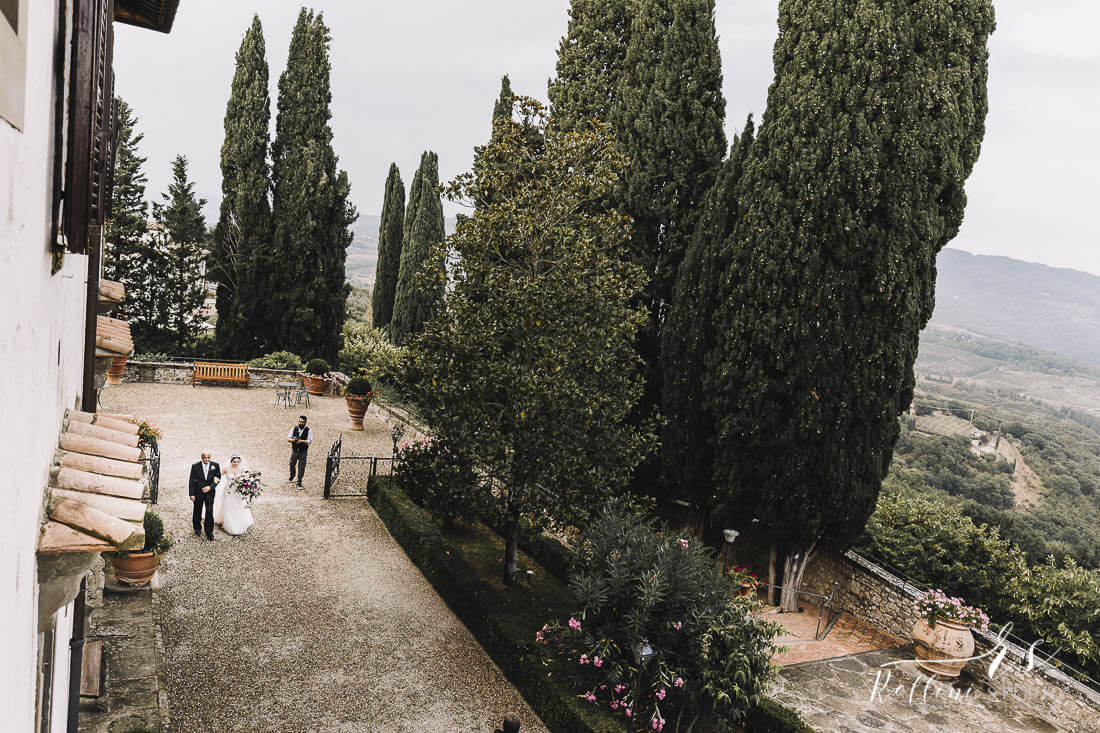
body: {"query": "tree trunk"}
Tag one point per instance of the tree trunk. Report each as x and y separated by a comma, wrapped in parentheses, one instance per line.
(771, 574)
(511, 543)
(793, 569)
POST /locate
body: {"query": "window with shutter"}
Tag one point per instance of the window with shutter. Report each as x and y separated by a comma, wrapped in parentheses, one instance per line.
(91, 124)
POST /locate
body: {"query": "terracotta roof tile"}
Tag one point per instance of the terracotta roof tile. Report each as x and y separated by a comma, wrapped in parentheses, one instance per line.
(111, 291)
(94, 502)
(112, 336)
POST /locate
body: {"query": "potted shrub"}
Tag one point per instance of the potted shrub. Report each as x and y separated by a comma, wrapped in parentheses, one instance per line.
(941, 637)
(314, 377)
(137, 567)
(116, 370)
(358, 395)
(744, 580)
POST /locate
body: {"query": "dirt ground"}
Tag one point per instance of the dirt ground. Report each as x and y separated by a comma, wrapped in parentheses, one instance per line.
(315, 619)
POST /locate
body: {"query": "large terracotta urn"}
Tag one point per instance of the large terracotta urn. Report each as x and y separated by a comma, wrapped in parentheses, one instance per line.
(136, 568)
(314, 385)
(943, 647)
(357, 408)
(116, 370)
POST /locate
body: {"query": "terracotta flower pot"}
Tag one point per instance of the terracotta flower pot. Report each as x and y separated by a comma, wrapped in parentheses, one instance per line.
(116, 370)
(137, 568)
(314, 385)
(357, 407)
(940, 647)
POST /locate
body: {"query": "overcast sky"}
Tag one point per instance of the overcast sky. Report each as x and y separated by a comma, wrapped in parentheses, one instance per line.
(423, 74)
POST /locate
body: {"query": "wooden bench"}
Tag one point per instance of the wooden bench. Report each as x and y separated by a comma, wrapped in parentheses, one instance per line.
(212, 371)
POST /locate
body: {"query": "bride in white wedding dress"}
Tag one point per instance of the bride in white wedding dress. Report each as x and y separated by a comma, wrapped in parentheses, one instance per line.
(230, 511)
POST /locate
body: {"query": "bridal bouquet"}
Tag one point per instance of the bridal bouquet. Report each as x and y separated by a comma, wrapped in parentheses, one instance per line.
(249, 486)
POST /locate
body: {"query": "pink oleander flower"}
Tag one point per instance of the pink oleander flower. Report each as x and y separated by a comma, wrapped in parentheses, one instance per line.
(603, 687)
(614, 704)
(574, 623)
(628, 712)
(584, 659)
(655, 723)
(590, 697)
(679, 682)
(661, 693)
(683, 543)
(619, 688)
(677, 625)
(597, 662)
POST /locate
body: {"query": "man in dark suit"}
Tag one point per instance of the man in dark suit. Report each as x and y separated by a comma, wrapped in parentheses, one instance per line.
(205, 476)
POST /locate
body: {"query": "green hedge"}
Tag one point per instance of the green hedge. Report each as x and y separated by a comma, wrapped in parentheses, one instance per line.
(501, 619)
(504, 621)
(771, 717)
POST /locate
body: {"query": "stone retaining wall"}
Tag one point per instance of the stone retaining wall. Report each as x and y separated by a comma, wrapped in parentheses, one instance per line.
(174, 372)
(875, 595)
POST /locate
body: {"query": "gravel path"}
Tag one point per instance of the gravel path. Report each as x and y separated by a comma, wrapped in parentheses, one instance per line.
(315, 619)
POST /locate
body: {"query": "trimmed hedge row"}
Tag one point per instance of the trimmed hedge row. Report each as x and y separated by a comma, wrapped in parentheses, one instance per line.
(508, 638)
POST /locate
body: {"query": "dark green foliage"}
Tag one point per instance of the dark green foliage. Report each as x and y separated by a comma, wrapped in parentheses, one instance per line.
(154, 530)
(277, 360)
(312, 215)
(634, 582)
(390, 234)
(318, 367)
(418, 295)
(126, 257)
(241, 260)
(169, 319)
(687, 453)
(358, 387)
(591, 59)
(1062, 605)
(771, 717)
(441, 478)
(947, 463)
(668, 120)
(853, 185)
(530, 363)
(502, 620)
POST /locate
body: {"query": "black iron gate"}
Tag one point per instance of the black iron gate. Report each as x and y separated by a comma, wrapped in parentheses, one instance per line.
(153, 459)
(348, 475)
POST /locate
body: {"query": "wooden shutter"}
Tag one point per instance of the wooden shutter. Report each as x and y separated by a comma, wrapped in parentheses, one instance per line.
(91, 124)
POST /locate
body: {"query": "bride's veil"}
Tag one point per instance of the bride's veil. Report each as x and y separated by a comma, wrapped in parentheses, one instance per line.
(244, 463)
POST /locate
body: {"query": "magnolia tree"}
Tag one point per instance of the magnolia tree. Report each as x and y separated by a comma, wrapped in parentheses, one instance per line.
(529, 364)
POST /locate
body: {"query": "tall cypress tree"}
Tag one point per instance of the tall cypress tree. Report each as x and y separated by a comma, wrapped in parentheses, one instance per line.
(854, 184)
(312, 214)
(668, 120)
(417, 295)
(241, 260)
(591, 60)
(126, 256)
(169, 320)
(687, 441)
(390, 233)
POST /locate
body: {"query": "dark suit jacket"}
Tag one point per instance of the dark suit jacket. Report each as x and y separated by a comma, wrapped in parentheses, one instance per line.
(196, 482)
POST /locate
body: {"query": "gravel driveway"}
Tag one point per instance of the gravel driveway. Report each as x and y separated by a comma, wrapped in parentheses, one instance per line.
(315, 619)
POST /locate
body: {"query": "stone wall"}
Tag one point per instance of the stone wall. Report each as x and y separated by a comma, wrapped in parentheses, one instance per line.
(880, 598)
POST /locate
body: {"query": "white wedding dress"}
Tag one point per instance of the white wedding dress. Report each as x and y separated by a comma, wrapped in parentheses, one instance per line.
(230, 511)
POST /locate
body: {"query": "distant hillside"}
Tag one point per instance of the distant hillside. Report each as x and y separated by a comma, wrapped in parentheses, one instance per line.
(1046, 308)
(363, 252)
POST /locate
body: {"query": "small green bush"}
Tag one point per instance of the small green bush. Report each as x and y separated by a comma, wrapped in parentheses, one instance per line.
(440, 478)
(278, 360)
(359, 387)
(636, 583)
(771, 717)
(318, 367)
(366, 350)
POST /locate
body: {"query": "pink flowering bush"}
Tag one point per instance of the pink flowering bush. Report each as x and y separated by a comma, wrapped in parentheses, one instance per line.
(711, 657)
(935, 604)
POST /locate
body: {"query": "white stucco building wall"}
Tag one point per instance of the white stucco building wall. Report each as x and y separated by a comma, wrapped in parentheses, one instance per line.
(41, 347)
